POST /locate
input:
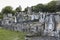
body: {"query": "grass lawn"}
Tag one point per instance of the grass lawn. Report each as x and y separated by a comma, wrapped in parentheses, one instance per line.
(11, 35)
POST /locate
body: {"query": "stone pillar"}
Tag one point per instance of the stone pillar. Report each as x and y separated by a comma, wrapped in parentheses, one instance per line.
(29, 10)
(42, 17)
(15, 19)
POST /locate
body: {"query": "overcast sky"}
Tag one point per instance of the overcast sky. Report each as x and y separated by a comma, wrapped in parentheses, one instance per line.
(23, 3)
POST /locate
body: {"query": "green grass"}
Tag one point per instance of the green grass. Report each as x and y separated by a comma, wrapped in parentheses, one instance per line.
(11, 35)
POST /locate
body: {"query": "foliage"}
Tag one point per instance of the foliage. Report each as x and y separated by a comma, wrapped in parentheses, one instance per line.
(6, 10)
(37, 8)
(26, 9)
(1, 16)
(18, 9)
(58, 8)
(13, 12)
(50, 7)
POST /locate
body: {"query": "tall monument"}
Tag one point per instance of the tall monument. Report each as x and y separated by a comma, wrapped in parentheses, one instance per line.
(51, 23)
(29, 10)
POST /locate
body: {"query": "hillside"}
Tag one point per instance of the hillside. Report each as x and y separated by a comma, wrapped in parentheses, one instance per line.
(11, 35)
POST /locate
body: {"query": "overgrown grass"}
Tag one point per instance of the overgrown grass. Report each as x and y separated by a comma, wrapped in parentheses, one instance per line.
(11, 35)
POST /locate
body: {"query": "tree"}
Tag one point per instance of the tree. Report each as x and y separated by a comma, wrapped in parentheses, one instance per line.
(6, 10)
(37, 8)
(51, 6)
(26, 9)
(18, 9)
(13, 12)
(1, 15)
(58, 7)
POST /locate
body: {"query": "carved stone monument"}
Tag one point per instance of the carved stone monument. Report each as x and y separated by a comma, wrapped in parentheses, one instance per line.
(42, 17)
(29, 10)
(51, 23)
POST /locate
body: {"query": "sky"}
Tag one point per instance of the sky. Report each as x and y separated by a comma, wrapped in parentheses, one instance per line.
(22, 3)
